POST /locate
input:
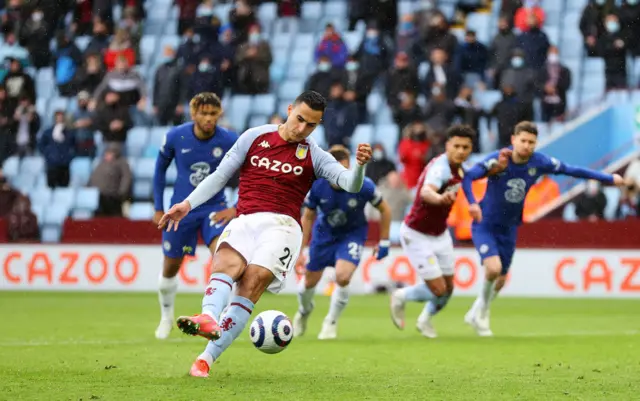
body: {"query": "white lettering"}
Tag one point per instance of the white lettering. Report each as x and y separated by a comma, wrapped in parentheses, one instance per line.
(264, 162)
(254, 161)
(297, 170)
(286, 168)
(275, 165)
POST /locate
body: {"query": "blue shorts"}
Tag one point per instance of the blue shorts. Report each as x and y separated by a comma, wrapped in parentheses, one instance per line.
(325, 252)
(491, 240)
(177, 244)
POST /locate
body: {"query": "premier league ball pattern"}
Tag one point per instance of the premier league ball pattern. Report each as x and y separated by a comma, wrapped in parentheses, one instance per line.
(271, 332)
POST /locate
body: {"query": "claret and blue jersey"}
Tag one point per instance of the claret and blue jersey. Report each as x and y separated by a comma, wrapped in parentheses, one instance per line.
(341, 228)
(504, 198)
(195, 159)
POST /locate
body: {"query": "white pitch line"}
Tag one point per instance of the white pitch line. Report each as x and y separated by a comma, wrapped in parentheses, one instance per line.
(584, 333)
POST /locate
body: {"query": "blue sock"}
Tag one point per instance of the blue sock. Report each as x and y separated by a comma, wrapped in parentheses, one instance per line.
(216, 295)
(436, 305)
(232, 323)
(418, 292)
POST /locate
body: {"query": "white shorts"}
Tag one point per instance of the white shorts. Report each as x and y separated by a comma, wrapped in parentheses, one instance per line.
(431, 256)
(270, 240)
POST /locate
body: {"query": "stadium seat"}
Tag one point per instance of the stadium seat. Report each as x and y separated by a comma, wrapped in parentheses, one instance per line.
(156, 136)
(302, 56)
(80, 170)
(58, 104)
(297, 71)
(374, 102)
(172, 174)
(352, 40)
(487, 99)
(362, 134)
(387, 136)
(24, 183)
(82, 214)
(150, 151)
(32, 165)
(144, 168)
(311, 9)
(11, 167)
(147, 49)
(264, 104)
(289, 90)
(304, 41)
(55, 214)
(82, 42)
(318, 136)
(137, 139)
(267, 12)
(41, 180)
(87, 199)
(142, 189)
(569, 212)
(613, 200)
(141, 211)
(280, 42)
(553, 33)
(258, 119)
(576, 5)
(168, 193)
(51, 234)
(617, 97)
(64, 196)
(335, 9)
(38, 210)
(384, 115)
(239, 111)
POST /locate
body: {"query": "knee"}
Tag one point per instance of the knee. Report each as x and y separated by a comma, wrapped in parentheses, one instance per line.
(228, 261)
(437, 287)
(343, 281)
(311, 279)
(493, 268)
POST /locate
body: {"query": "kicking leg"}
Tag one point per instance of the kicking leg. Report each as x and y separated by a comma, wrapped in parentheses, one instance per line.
(339, 299)
(306, 290)
(167, 290)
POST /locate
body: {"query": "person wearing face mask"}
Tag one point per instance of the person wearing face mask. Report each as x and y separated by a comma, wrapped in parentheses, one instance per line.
(253, 60)
(529, 8)
(556, 81)
(592, 23)
(400, 78)
(522, 78)
(333, 47)
(58, 144)
(500, 50)
(189, 50)
(354, 80)
(407, 33)
(629, 14)
(380, 165)
(169, 81)
(340, 117)
(535, 43)
(206, 78)
(242, 17)
(471, 60)
(321, 80)
(372, 53)
(613, 48)
(509, 112)
(591, 203)
(412, 152)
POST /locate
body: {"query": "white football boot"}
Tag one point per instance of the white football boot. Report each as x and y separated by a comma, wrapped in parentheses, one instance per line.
(300, 322)
(425, 327)
(329, 330)
(164, 329)
(479, 320)
(397, 309)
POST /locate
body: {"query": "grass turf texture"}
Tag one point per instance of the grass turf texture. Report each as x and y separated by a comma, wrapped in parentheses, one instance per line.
(67, 346)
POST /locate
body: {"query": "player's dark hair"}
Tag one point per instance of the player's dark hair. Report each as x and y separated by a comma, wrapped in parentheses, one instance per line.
(461, 131)
(313, 99)
(205, 99)
(340, 152)
(526, 126)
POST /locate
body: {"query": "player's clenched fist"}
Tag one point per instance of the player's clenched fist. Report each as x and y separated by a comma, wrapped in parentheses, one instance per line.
(174, 215)
(363, 153)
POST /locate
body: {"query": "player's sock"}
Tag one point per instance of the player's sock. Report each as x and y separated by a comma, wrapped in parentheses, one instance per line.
(305, 298)
(418, 293)
(167, 289)
(339, 300)
(488, 287)
(436, 305)
(232, 323)
(216, 295)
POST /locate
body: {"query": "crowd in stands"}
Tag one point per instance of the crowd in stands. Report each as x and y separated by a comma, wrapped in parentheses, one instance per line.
(230, 54)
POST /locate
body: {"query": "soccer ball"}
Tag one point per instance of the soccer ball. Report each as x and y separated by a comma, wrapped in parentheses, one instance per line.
(271, 331)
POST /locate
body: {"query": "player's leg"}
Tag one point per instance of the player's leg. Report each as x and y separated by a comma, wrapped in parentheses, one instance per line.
(340, 295)
(218, 281)
(175, 245)
(320, 256)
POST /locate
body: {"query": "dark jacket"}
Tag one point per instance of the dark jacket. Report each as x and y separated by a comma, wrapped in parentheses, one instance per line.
(57, 153)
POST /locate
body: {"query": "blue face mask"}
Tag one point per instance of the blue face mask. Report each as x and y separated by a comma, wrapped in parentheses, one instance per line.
(601, 2)
(352, 66)
(254, 38)
(407, 26)
(517, 62)
(612, 26)
(204, 67)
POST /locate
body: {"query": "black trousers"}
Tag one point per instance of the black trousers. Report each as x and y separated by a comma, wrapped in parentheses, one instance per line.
(58, 176)
(109, 206)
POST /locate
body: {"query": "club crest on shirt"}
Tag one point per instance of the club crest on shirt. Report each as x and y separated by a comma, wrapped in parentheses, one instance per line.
(352, 202)
(217, 152)
(301, 152)
(532, 171)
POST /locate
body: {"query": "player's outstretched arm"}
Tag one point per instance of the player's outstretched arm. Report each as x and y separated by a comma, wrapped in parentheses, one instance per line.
(557, 167)
(327, 167)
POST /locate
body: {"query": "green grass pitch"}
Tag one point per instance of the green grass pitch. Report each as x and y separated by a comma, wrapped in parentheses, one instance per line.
(100, 346)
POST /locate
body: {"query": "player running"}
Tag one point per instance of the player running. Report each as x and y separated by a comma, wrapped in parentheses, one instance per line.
(278, 164)
(338, 239)
(424, 235)
(197, 148)
(497, 217)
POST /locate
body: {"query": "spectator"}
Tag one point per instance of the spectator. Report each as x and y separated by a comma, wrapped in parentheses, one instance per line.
(521, 78)
(396, 194)
(354, 80)
(534, 43)
(590, 205)
(126, 82)
(226, 54)
(112, 119)
(612, 47)
(242, 18)
(208, 25)
(207, 78)
(325, 75)
(26, 124)
(8, 196)
(440, 110)
(57, 144)
(501, 50)
(384, 15)
(425, 11)
(113, 178)
(333, 47)
(592, 23)
(629, 14)
(82, 18)
(186, 15)
(82, 121)
(509, 112)
(103, 9)
(253, 60)
(630, 202)
(556, 79)
(412, 151)
(22, 224)
(67, 60)
(7, 136)
(380, 166)
(438, 37)
(289, 8)
(341, 116)
(91, 74)
(441, 74)
(372, 53)
(169, 91)
(357, 12)
(402, 77)
(120, 46)
(407, 34)
(18, 84)
(189, 50)
(129, 23)
(13, 17)
(407, 110)
(523, 14)
(99, 42)
(472, 58)
(35, 36)
(11, 49)
(469, 112)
